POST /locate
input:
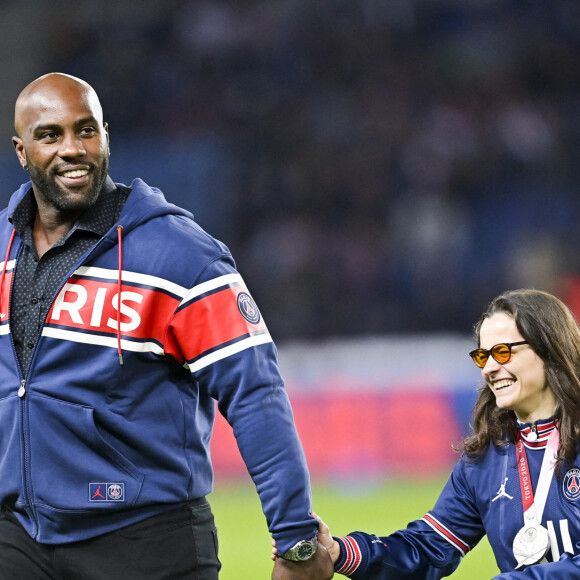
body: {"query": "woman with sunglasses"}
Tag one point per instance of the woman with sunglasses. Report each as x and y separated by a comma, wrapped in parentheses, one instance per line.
(518, 479)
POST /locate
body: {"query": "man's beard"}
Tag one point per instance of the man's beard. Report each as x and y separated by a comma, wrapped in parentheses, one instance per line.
(57, 196)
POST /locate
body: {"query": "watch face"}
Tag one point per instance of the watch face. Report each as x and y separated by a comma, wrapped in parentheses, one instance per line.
(305, 551)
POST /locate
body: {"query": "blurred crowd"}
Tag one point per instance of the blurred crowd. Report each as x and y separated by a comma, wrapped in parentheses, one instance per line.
(391, 164)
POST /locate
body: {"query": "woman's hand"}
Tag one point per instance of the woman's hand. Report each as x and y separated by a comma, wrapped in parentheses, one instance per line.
(325, 540)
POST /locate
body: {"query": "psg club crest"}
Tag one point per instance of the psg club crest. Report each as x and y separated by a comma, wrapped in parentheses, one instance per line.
(248, 308)
(571, 484)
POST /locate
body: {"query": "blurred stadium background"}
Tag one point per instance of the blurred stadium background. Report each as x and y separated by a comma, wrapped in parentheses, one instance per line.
(380, 169)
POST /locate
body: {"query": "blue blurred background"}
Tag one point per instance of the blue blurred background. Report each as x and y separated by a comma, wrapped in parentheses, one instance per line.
(377, 167)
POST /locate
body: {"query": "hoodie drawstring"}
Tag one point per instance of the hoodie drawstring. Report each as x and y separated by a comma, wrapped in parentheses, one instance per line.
(119, 289)
(3, 314)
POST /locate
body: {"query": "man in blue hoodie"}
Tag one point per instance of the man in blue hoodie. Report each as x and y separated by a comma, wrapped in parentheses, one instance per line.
(121, 323)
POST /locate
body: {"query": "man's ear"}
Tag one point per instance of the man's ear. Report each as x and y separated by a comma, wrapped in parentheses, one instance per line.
(20, 152)
(106, 127)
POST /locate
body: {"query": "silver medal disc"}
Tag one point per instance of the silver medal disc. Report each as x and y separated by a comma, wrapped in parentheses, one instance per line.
(531, 544)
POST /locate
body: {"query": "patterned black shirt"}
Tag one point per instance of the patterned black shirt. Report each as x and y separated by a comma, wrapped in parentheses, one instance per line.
(37, 281)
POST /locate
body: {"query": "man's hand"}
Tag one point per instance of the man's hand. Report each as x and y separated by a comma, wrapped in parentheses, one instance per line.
(319, 567)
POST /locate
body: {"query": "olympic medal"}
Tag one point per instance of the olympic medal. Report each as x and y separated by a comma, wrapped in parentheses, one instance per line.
(531, 544)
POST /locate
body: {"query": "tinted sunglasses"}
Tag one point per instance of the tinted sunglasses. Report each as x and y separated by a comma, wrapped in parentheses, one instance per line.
(501, 353)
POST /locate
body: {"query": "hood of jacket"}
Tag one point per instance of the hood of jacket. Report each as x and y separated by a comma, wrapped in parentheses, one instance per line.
(144, 203)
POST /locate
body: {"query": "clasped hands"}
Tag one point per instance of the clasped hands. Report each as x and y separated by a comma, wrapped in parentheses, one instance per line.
(319, 567)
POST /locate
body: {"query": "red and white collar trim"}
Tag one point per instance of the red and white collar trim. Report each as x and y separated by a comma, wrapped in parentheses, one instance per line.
(535, 435)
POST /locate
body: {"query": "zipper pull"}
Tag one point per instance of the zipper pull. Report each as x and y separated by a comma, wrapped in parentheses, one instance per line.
(22, 389)
(533, 436)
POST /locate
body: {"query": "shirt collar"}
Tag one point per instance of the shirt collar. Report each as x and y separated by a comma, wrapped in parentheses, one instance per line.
(91, 220)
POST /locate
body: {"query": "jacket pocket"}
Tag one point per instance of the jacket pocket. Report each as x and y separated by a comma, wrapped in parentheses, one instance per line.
(70, 465)
(10, 448)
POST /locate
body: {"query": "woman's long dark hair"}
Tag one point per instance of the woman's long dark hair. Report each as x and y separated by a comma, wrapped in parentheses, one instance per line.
(553, 333)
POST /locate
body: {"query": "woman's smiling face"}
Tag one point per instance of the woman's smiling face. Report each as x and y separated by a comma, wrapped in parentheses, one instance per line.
(520, 384)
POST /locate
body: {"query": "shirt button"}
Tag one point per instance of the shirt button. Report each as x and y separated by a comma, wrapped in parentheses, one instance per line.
(34, 301)
(30, 345)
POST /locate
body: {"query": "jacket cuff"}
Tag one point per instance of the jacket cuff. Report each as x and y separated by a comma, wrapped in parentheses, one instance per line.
(350, 556)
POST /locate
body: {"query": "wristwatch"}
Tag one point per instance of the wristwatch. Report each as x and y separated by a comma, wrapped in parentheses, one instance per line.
(302, 550)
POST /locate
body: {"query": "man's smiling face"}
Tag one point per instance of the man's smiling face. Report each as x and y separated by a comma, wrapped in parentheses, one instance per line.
(63, 142)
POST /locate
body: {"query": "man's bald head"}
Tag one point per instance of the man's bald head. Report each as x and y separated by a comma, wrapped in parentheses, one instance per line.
(49, 92)
(62, 142)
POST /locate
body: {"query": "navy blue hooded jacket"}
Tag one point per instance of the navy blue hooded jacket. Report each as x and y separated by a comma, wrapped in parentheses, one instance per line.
(89, 445)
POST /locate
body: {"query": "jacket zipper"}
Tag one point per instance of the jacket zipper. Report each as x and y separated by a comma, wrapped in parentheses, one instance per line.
(22, 389)
(27, 490)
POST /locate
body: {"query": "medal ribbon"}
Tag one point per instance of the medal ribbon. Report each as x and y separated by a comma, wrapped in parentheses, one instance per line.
(534, 506)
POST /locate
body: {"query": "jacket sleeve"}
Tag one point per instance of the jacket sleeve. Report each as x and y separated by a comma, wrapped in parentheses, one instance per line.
(428, 549)
(411, 553)
(221, 335)
(566, 567)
